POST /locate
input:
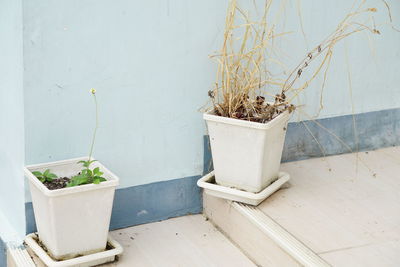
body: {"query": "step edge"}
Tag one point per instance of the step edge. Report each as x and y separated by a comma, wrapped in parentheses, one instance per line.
(18, 256)
(286, 241)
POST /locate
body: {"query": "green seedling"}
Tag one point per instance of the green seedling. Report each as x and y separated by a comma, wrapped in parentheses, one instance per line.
(88, 176)
(86, 163)
(46, 176)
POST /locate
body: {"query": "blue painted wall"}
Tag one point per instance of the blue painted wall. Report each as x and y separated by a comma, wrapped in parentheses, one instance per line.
(149, 62)
(3, 257)
(373, 59)
(374, 130)
(12, 200)
(147, 203)
(163, 200)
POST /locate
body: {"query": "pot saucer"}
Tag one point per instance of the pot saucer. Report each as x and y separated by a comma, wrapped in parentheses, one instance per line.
(207, 182)
(94, 259)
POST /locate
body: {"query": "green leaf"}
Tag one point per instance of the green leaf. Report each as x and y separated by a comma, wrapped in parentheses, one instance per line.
(84, 163)
(97, 172)
(42, 179)
(46, 172)
(82, 180)
(101, 179)
(37, 173)
(98, 179)
(51, 176)
(90, 162)
(82, 175)
(71, 183)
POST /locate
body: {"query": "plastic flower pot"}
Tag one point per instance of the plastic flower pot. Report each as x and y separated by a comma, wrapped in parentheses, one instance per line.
(72, 221)
(246, 155)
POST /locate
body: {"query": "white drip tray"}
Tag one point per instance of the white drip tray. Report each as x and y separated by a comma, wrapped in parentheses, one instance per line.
(94, 259)
(211, 188)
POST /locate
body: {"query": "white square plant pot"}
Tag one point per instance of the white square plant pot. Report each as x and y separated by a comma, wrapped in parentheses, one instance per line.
(246, 155)
(72, 221)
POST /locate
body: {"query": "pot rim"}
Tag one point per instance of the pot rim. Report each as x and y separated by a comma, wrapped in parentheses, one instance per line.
(113, 182)
(209, 116)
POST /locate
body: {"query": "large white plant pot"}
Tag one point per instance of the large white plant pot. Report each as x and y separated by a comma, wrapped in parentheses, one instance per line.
(72, 221)
(246, 155)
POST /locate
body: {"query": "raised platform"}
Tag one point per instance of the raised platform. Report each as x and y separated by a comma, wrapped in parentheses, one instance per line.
(342, 211)
(185, 241)
(339, 211)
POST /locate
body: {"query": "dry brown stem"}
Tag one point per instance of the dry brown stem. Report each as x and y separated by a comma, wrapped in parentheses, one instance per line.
(243, 77)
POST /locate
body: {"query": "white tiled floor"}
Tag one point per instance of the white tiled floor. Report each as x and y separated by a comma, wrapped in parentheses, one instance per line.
(345, 209)
(188, 241)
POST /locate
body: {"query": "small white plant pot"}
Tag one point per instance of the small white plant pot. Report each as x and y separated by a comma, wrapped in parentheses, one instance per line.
(72, 221)
(246, 155)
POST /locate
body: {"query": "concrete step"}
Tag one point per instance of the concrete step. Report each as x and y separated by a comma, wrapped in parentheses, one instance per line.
(339, 211)
(260, 238)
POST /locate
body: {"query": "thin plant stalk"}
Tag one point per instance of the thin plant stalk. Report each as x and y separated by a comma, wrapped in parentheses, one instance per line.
(93, 91)
(244, 78)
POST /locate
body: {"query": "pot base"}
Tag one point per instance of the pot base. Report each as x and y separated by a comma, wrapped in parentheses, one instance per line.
(211, 188)
(94, 259)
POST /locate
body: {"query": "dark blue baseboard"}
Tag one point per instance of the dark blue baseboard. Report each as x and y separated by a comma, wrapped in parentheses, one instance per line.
(3, 256)
(375, 130)
(146, 203)
(163, 200)
(156, 202)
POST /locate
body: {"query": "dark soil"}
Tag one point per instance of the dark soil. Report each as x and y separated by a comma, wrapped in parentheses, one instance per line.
(255, 110)
(57, 183)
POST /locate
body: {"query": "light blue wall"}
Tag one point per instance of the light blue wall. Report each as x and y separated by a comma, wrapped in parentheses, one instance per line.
(12, 201)
(149, 62)
(373, 59)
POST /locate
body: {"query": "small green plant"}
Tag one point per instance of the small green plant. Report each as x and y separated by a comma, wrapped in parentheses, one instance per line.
(46, 176)
(88, 176)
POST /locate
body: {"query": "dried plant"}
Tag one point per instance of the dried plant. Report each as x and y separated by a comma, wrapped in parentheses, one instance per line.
(243, 77)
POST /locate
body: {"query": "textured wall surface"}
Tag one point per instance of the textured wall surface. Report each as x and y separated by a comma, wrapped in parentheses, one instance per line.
(12, 212)
(342, 134)
(149, 62)
(161, 200)
(147, 203)
(3, 257)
